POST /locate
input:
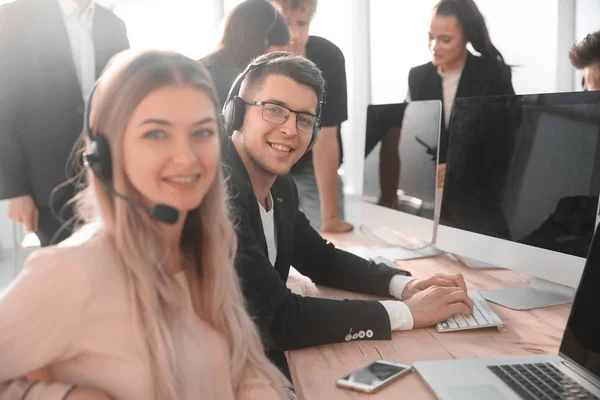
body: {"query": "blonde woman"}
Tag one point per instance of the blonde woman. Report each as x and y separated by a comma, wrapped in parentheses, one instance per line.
(131, 307)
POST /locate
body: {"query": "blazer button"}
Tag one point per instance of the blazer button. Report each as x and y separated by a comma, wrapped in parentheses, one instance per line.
(348, 337)
(355, 336)
(369, 333)
(361, 334)
(79, 110)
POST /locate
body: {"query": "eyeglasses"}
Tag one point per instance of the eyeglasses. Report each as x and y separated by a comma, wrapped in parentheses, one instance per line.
(279, 114)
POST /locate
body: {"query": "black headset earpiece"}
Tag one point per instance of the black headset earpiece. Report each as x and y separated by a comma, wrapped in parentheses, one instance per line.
(99, 158)
(234, 108)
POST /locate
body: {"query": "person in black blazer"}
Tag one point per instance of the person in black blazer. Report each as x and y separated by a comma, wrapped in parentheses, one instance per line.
(276, 124)
(42, 100)
(480, 77)
(454, 71)
(252, 28)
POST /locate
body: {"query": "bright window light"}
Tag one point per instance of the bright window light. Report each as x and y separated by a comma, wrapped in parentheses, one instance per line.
(31, 240)
(179, 25)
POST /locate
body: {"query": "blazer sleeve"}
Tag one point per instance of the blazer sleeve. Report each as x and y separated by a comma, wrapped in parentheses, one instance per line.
(14, 180)
(502, 85)
(289, 321)
(40, 317)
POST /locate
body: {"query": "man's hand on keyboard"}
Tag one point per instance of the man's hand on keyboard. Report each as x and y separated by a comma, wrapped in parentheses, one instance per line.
(444, 280)
(436, 303)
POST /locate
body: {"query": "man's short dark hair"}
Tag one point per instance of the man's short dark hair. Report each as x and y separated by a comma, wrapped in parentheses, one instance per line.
(297, 68)
(586, 52)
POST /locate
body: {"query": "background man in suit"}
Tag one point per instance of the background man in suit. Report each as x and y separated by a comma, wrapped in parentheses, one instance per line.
(274, 126)
(51, 52)
(586, 55)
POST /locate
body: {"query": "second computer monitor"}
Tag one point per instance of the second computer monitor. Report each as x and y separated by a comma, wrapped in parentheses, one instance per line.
(400, 155)
(522, 182)
(400, 173)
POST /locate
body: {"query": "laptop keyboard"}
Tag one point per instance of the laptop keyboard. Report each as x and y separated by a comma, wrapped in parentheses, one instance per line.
(483, 317)
(540, 381)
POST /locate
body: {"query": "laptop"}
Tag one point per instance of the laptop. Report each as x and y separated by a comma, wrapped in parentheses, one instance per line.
(574, 373)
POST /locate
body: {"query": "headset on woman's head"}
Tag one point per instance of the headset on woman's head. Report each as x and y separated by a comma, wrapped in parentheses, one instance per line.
(235, 108)
(98, 158)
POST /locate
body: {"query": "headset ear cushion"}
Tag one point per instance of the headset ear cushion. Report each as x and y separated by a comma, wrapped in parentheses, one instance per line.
(227, 116)
(102, 157)
(239, 109)
(233, 115)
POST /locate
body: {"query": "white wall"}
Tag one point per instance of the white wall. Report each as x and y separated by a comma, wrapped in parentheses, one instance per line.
(398, 41)
(587, 17)
(6, 234)
(189, 27)
(527, 34)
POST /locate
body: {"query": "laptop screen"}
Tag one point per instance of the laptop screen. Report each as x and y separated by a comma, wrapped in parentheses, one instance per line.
(581, 341)
(525, 169)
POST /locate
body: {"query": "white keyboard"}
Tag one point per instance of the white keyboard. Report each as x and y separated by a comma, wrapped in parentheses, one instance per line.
(483, 317)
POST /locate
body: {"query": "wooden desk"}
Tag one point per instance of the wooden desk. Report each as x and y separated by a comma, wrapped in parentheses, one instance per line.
(315, 370)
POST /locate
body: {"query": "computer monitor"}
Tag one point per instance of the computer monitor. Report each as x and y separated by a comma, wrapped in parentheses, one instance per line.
(521, 189)
(400, 174)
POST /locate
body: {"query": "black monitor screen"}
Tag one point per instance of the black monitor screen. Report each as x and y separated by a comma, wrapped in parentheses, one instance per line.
(525, 169)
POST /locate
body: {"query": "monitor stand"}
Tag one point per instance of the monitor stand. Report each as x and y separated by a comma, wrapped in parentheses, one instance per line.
(539, 293)
(476, 264)
(406, 253)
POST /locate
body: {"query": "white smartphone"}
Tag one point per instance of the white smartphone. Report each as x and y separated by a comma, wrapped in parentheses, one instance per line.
(374, 376)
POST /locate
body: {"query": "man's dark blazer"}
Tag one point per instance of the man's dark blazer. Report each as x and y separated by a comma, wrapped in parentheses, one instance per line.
(286, 320)
(480, 77)
(41, 104)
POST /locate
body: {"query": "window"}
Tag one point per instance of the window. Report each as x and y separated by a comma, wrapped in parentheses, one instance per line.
(189, 27)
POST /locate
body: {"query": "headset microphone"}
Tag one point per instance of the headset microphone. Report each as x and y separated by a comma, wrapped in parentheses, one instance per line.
(160, 212)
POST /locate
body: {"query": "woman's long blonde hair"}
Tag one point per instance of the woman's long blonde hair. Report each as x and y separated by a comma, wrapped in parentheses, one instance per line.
(208, 239)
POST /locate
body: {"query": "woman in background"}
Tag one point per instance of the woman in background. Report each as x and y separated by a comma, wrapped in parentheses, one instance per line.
(252, 28)
(140, 305)
(454, 71)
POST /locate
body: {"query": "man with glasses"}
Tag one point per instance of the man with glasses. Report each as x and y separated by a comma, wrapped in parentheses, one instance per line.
(280, 100)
